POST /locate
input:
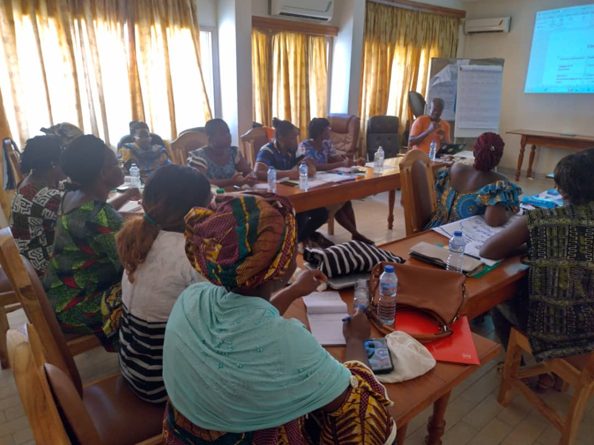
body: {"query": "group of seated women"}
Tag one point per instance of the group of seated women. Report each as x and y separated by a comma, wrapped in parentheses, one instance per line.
(192, 293)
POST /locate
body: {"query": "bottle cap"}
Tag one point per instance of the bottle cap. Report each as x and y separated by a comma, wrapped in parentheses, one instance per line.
(389, 268)
(458, 233)
(220, 191)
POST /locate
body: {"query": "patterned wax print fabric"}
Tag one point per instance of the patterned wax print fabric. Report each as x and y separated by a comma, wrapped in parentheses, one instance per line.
(318, 157)
(453, 206)
(147, 161)
(273, 157)
(200, 158)
(363, 417)
(561, 281)
(34, 215)
(247, 240)
(83, 278)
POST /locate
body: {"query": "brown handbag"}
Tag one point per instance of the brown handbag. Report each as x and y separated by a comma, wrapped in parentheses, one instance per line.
(438, 294)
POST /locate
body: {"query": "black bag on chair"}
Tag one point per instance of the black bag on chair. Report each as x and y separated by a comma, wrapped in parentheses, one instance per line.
(348, 258)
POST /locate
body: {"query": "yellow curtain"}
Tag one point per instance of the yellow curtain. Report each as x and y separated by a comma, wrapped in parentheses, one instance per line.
(397, 50)
(318, 75)
(296, 89)
(261, 77)
(99, 64)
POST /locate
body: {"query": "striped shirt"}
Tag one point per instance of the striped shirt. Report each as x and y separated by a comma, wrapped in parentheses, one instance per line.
(147, 303)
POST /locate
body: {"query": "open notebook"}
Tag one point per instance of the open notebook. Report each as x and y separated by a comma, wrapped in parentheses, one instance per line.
(325, 311)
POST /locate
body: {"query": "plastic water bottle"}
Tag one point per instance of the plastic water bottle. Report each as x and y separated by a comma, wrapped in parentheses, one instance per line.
(433, 150)
(135, 173)
(303, 176)
(361, 299)
(271, 179)
(378, 161)
(388, 284)
(456, 246)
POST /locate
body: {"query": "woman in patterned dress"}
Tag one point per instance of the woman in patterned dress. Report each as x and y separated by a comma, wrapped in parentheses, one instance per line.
(219, 161)
(464, 190)
(556, 309)
(236, 371)
(83, 278)
(35, 205)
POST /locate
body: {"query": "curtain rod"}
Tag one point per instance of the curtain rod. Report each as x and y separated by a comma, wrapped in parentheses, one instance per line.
(422, 7)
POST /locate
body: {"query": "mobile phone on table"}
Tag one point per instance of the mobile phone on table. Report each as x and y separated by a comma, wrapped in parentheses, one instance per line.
(379, 355)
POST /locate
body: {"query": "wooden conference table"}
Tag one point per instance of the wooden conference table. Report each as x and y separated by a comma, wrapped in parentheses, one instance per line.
(548, 140)
(414, 396)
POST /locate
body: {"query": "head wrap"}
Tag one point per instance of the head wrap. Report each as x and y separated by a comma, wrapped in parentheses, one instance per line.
(488, 150)
(245, 241)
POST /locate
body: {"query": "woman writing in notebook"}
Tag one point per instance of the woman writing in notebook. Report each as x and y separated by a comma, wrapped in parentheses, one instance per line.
(235, 370)
(556, 309)
(319, 150)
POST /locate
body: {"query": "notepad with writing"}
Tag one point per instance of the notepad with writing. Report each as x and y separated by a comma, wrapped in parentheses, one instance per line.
(457, 348)
(325, 311)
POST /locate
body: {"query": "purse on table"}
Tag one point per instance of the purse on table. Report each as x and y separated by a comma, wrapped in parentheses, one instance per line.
(437, 294)
(348, 258)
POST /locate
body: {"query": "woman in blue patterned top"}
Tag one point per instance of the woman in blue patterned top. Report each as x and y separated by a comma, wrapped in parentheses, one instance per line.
(219, 161)
(318, 149)
(464, 190)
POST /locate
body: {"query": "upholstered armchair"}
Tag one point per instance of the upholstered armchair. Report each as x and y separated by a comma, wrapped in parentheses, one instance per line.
(345, 133)
(383, 131)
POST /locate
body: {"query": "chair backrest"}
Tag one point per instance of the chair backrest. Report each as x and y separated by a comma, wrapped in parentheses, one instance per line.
(34, 391)
(382, 131)
(33, 298)
(417, 190)
(14, 157)
(252, 140)
(416, 103)
(345, 133)
(187, 141)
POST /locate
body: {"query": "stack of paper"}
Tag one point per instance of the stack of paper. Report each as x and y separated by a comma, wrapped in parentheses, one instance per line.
(476, 232)
(325, 312)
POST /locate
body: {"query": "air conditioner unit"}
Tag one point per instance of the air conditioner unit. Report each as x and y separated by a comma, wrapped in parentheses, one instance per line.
(321, 10)
(497, 24)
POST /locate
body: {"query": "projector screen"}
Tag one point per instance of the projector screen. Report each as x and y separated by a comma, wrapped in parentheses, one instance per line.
(562, 55)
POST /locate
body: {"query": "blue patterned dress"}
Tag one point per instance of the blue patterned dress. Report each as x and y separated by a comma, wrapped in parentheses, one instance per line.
(453, 206)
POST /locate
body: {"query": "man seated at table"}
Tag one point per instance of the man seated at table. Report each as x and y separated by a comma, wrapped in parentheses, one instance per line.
(430, 128)
(281, 154)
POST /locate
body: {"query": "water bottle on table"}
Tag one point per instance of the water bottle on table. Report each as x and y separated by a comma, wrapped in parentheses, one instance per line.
(433, 151)
(271, 179)
(378, 161)
(386, 306)
(135, 174)
(456, 247)
(303, 176)
(361, 300)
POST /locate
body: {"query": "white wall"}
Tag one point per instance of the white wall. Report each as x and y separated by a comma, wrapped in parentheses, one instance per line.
(565, 113)
(207, 13)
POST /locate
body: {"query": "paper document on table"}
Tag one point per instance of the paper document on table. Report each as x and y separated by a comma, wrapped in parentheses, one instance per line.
(131, 207)
(476, 231)
(325, 311)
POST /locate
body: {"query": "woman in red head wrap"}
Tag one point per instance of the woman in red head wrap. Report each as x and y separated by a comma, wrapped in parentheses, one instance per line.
(464, 190)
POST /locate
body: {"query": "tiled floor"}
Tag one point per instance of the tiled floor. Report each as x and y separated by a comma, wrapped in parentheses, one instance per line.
(473, 415)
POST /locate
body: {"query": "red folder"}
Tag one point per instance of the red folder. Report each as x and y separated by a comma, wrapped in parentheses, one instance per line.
(457, 348)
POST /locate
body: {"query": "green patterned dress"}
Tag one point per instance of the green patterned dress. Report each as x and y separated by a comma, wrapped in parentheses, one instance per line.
(83, 279)
(561, 281)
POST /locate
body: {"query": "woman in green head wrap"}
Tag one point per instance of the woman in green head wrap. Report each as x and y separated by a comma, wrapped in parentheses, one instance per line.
(235, 370)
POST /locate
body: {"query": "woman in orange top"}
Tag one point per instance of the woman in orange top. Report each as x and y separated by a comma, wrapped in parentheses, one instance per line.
(430, 128)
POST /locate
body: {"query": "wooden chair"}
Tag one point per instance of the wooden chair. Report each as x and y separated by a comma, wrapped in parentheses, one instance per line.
(417, 190)
(187, 141)
(576, 371)
(22, 279)
(9, 302)
(14, 156)
(252, 140)
(59, 414)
